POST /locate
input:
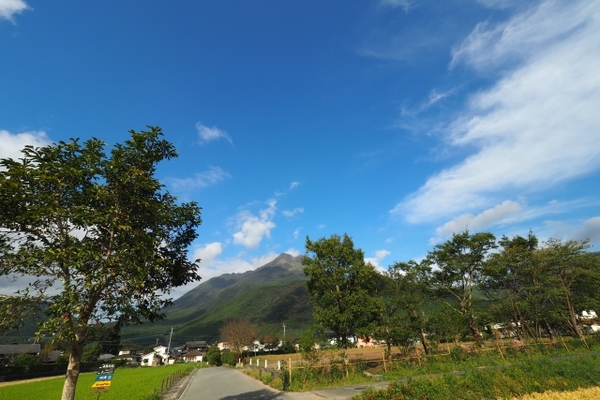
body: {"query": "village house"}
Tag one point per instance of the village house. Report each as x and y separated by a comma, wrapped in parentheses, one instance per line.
(158, 356)
(8, 351)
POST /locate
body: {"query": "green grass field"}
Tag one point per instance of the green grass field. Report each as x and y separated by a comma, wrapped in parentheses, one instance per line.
(127, 383)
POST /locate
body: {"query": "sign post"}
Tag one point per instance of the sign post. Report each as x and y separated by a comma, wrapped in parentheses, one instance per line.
(103, 379)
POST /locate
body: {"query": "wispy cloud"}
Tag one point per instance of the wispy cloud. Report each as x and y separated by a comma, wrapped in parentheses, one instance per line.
(13, 143)
(208, 134)
(404, 4)
(434, 97)
(537, 126)
(251, 229)
(297, 233)
(501, 4)
(9, 8)
(291, 213)
(211, 176)
(528, 35)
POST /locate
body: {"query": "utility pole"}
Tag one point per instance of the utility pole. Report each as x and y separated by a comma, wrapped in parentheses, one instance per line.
(169, 346)
(284, 337)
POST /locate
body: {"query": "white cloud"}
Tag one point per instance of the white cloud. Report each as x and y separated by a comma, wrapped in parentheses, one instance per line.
(590, 230)
(528, 33)
(379, 256)
(293, 252)
(294, 185)
(498, 214)
(8, 8)
(252, 228)
(208, 253)
(536, 126)
(211, 176)
(291, 213)
(13, 143)
(207, 134)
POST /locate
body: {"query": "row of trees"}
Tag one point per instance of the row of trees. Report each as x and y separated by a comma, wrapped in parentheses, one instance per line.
(464, 284)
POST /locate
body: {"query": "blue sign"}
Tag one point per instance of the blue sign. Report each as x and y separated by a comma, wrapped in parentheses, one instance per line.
(104, 377)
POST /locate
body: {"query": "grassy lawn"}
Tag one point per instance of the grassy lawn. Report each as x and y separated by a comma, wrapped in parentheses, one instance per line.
(127, 383)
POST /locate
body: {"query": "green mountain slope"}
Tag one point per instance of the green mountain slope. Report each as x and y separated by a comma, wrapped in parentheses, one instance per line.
(268, 296)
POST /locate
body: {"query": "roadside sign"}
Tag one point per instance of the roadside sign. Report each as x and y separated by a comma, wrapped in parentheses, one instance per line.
(103, 379)
(101, 384)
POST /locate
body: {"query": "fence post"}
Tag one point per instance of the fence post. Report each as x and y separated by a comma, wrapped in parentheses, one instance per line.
(279, 365)
(265, 363)
(290, 368)
(384, 366)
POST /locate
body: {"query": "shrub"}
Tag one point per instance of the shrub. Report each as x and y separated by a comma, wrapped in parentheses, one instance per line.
(213, 356)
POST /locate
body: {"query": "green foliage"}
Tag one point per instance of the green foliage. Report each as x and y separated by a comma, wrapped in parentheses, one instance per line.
(310, 343)
(342, 286)
(405, 292)
(230, 358)
(213, 356)
(25, 359)
(100, 233)
(91, 352)
(459, 263)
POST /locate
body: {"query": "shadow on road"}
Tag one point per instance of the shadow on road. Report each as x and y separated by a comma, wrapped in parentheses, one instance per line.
(258, 394)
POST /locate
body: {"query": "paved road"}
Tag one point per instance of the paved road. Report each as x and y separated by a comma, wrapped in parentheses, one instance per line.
(229, 384)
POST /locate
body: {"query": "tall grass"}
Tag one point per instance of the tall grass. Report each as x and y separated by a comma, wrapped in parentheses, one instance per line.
(528, 376)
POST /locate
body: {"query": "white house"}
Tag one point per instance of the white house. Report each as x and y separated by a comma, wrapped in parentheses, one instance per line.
(158, 356)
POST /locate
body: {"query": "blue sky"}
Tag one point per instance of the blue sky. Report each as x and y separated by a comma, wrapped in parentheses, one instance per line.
(395, 121)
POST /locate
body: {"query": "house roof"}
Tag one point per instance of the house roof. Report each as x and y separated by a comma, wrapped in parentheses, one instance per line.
(193, 353)
(20, 348)
(196, 343)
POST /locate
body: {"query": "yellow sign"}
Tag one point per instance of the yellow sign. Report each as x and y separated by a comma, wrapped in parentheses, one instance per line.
(101, 384)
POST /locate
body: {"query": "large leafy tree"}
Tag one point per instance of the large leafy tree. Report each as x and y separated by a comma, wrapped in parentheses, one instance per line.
(96, 235)
(404, 295)
(342, 286)
(456, 271)
(576, 279)
(519, 286)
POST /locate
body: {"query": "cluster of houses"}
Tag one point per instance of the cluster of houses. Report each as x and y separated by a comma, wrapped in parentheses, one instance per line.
(193, 351)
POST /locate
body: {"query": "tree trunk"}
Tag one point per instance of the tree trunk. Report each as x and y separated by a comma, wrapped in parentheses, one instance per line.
(73, 370)
(550, 331)
(424, 342)
(475, 330)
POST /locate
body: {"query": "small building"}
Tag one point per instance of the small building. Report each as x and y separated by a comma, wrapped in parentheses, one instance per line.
(194, 350)
(8, 351)
(131, 357)
(199, 345)
(158, 356)
(194, 356)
